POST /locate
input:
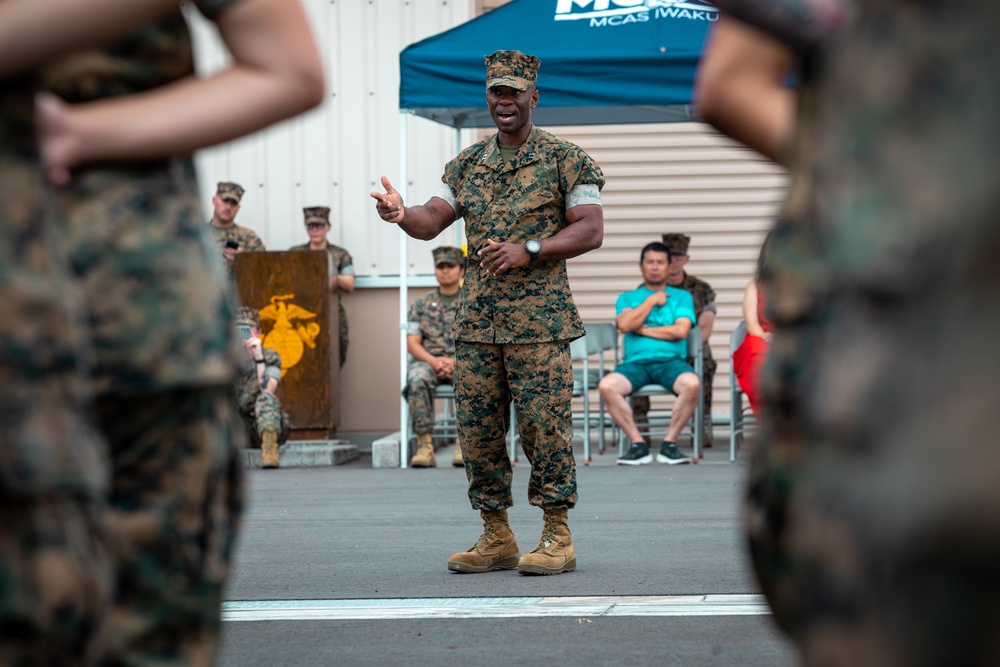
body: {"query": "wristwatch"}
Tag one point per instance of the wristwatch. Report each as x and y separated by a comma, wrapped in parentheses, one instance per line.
(533, 247)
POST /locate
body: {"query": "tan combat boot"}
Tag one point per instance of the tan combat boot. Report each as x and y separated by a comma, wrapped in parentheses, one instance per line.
(554, 553)
(495, 550)
(269, 450)
(424, 458)
(456, 459)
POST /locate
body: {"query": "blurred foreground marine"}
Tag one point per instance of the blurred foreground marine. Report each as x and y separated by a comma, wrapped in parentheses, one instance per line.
(874, 509)
(120, 480)
(267, 424)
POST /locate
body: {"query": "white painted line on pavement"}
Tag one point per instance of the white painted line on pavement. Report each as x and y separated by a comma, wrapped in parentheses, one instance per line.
(526, 607)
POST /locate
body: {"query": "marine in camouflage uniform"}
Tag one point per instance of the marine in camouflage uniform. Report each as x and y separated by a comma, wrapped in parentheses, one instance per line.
(873, 509)
(150, 292)
(261, 410)
(520, 192)
(431, 319)
(247, 239)
(704, 300)
(226, 204)
(340, 264)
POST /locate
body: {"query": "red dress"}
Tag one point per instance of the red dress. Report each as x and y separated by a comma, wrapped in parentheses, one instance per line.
(749, 357)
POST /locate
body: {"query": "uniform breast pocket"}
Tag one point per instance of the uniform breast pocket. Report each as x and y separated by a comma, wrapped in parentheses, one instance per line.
(473, 203)
(537, 205)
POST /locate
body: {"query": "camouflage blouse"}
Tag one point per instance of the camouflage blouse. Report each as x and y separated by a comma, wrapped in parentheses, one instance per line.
(247, 238)
(800, 24)
(701, 292)
(432, 317)
(340, 261)
(513, 202)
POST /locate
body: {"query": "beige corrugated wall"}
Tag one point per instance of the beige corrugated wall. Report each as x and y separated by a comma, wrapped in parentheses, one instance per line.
(677, 177)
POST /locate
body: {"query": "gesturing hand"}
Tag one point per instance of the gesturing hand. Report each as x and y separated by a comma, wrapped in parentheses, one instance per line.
(390, 204)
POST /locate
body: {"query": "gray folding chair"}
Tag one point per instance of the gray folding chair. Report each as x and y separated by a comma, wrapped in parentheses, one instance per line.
(605, 337)
(738, 413)
(697, 355)
(445, 428)
(599, 338)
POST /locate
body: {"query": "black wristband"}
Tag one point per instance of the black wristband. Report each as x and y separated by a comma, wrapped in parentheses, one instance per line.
(259, 361)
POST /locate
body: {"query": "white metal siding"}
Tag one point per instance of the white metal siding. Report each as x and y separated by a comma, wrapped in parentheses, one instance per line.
(334, 155)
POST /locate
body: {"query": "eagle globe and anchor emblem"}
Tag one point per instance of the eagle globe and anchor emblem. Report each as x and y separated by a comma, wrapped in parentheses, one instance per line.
(288, 337)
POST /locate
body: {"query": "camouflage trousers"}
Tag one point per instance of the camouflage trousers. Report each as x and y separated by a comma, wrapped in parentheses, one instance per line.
(421, 380)
(175, 505)
(640, 404)
(56, 575)
(268, 415)
(55, 581)
(873, 508)
(538, 377)
(123, 509)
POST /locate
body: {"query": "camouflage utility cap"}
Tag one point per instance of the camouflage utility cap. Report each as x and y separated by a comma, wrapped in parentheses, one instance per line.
(512, 69)
(678, 243)
(317, 215)
(229, 191)
(448, 255)
(247, 315)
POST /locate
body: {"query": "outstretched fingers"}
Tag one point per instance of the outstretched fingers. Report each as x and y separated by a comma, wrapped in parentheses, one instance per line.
(389, 204)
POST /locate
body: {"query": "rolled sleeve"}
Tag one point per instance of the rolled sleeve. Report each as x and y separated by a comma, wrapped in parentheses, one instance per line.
(446, 193)
(587, 193)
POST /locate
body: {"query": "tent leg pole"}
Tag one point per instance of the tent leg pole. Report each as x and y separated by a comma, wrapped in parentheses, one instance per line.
(404, 408)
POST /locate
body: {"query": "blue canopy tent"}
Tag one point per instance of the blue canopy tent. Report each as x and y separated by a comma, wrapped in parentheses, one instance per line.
(603, 62)
(630, 61)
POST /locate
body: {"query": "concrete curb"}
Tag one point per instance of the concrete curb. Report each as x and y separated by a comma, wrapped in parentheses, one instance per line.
(307, 454)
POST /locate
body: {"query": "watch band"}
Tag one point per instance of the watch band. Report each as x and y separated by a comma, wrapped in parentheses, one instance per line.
(533, 247)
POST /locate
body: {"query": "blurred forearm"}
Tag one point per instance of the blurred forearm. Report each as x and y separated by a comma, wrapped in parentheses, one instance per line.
(740, 88)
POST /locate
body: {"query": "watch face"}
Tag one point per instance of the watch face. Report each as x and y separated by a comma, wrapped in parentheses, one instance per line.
(533, 246)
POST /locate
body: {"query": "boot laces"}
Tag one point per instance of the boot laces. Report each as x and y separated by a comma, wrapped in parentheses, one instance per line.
(489, 535)
(548, 532)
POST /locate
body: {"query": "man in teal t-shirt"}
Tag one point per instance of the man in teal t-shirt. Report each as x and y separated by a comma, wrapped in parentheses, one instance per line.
(656, 320)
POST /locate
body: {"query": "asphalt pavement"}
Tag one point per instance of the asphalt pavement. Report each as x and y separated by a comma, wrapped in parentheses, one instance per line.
(346, 565)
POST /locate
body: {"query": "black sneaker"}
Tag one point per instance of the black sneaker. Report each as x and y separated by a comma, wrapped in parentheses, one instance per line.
(670, 455)
(637, 455)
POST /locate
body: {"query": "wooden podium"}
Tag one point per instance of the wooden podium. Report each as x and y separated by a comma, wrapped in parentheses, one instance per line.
(298, 315)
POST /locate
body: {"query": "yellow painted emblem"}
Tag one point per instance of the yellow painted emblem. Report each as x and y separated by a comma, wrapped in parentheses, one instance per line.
(288, 339)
